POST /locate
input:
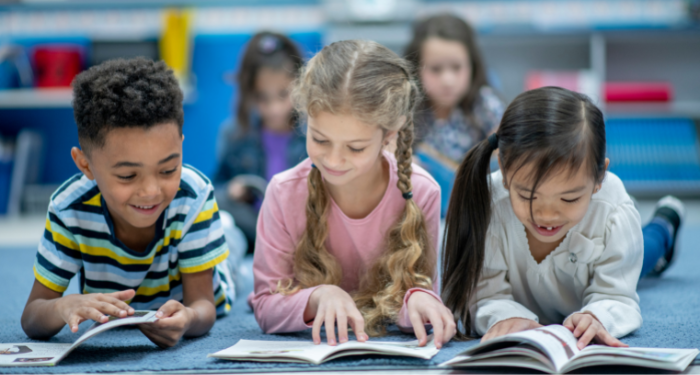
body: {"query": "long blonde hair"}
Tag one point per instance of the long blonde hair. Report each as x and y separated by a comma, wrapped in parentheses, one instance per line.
(374, 85)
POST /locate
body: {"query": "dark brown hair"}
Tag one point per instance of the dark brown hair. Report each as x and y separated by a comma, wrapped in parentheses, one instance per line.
(265, 50)
(134, 93)
(452, 28)
(552, 129)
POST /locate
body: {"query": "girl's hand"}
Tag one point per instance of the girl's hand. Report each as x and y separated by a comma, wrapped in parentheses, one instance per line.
(77, 308)
(424, 308)
(511, 325)
(173, 321)
(586, 327)
(328, 304)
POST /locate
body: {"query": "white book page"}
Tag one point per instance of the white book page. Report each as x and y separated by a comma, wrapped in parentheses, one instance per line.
(32, 354)
(139, 317)
(47, 354)
(555, 341)
(264, 351)
(276, 351)
(668, 359)
(405, 348)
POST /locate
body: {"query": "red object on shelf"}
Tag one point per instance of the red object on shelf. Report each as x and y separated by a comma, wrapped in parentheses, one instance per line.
(638, 92)
(56, 66)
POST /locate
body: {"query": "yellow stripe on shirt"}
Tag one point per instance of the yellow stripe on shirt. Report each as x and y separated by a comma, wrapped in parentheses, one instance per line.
(47, 283)
(207, 265)
(206, 215)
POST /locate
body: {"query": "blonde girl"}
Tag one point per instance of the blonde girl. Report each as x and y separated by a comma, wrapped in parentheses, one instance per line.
(349, 236)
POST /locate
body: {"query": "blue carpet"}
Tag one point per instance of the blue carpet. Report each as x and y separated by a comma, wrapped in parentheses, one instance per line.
(670, 306)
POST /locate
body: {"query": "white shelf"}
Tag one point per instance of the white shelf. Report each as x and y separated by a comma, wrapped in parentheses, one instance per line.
(55, 98)
(687, 108)
(36, 98)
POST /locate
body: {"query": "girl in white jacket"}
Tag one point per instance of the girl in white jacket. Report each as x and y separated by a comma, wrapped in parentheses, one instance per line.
(551, 238)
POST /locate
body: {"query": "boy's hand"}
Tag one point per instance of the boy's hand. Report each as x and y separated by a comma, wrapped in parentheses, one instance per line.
(424, 308)
(174, 320)
(328, 304)
(587, 328)
(511, 325)
(77, 308)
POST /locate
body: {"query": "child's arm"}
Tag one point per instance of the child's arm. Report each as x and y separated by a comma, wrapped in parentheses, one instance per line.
(494, 311)
(46, 311)
(192, 318)
(58, 259)
(611, 297)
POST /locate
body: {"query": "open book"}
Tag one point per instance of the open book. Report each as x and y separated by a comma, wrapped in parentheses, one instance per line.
(553, 349)
(308, 352)
(47, 354)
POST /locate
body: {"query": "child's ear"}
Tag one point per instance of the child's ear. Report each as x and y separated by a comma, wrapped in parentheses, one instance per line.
(599, 185)
(391, 136)
(81, 161)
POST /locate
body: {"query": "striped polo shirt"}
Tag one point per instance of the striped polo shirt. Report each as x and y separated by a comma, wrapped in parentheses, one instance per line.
(79, 239)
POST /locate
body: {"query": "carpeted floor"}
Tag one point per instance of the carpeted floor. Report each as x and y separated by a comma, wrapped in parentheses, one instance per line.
(670, 306)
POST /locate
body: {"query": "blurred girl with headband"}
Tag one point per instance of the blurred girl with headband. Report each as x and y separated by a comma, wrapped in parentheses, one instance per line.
(266, 138)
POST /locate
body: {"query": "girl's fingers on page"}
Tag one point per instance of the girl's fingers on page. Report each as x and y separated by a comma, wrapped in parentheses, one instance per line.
(357, 322)
(584, 321)
(342, 320)
(586, 338)
(438, 328)
(450, 325)
(606, 338)
(418, 328)
(316, 330)
(330, 327)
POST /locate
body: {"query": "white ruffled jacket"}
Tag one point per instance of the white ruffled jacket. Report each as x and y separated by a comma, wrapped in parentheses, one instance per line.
(595, 269)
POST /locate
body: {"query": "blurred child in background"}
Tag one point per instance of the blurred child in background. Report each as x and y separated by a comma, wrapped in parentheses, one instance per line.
(264, 140)
(460, 108)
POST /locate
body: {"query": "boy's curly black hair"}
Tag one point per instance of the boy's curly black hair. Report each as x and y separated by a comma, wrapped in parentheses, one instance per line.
(124, 93)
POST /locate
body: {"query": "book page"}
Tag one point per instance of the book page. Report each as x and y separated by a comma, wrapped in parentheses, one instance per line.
(399, 348)
(46, 354)
(667, 359)
(139, 317)
(276, 351)
(293, 351)
(32, 354)
(554, 341)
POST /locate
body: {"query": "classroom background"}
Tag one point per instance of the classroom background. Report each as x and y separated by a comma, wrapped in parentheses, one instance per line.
(638, 59)
(590, 46)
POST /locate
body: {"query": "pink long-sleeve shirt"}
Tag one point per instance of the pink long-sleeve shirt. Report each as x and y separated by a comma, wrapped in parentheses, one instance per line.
(355, 243)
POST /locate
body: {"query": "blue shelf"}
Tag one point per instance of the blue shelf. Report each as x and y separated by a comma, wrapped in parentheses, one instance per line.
(655, 156)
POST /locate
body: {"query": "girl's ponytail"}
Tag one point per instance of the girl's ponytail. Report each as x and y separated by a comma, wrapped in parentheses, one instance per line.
(468, 217)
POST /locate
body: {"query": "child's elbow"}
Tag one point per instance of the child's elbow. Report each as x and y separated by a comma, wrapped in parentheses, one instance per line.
(30, 329)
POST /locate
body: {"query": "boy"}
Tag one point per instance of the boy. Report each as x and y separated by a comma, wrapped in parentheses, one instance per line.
(142, 230)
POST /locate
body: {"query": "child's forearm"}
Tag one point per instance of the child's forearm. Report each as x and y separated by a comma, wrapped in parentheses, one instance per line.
(41, 318)
(202, 318)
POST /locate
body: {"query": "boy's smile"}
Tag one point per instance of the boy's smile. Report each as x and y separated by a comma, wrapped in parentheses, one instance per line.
(138, 173)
